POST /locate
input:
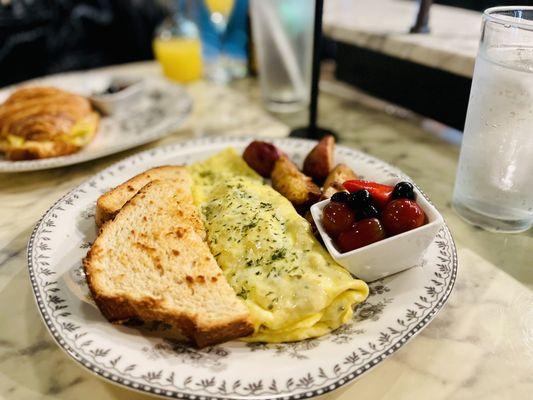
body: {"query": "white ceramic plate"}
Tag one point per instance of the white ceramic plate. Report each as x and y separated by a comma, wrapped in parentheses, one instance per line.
(398, 307)
(160, 110)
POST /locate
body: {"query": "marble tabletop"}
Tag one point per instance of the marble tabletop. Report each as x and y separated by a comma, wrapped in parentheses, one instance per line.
(451, 44)
(480, 346)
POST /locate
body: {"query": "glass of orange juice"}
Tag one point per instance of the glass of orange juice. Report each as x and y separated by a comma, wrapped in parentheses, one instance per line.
(177, 45)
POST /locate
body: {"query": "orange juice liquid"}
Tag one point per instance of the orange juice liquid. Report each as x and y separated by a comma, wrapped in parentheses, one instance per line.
(223, 7)
(181, 58)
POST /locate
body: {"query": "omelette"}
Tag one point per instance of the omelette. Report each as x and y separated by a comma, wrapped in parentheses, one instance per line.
(292, 287)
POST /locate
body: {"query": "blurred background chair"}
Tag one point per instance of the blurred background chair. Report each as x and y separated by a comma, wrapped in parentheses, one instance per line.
(373, 52)
(39, 37)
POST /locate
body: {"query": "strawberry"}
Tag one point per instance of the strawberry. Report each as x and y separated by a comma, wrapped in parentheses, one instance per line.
(381, 194)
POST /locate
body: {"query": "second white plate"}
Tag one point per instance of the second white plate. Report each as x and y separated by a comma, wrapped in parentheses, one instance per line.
(160, 111)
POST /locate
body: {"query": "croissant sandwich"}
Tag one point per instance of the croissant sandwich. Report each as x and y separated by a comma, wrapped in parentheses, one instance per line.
(42, 122)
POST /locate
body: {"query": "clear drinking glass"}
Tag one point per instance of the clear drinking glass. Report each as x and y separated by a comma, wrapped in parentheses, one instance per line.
(494, 184)
(177, 44)
(283, 37)
(219, 13)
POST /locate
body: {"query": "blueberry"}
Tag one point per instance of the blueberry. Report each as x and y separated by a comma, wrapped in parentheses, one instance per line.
(404, 190)
(369, 211)
(341, 197)
(360, 199)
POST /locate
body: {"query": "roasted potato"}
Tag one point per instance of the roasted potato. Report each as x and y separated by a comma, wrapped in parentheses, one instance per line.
(298, 188)
(333, 183)
(319, 161)
(261, 157)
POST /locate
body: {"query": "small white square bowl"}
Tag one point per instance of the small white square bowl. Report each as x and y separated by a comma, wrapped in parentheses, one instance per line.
(113, 103)
(390, 255)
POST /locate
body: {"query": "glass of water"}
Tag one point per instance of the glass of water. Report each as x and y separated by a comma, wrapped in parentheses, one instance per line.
(283, 37)
(494, 184)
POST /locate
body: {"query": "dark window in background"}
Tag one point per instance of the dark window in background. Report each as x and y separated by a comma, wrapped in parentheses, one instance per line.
(39, 37)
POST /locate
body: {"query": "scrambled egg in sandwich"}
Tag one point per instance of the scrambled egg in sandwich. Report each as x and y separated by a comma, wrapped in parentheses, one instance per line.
(292, 287)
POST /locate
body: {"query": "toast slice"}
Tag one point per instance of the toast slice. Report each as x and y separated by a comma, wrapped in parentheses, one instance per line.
(151, 263)
(110, 203)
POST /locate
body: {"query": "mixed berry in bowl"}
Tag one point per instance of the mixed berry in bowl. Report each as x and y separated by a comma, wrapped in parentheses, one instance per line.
(369, 212)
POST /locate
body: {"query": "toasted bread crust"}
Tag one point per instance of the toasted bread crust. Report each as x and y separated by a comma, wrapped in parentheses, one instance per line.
(235, 329)
(120, 308)
(103, 214)
(109, 204)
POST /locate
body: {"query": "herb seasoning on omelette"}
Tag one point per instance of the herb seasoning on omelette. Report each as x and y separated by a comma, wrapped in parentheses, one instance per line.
(292, 287)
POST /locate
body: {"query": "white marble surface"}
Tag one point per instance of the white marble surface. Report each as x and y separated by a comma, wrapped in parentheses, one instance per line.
(480, 346)
(383, 26)
(473, 350)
